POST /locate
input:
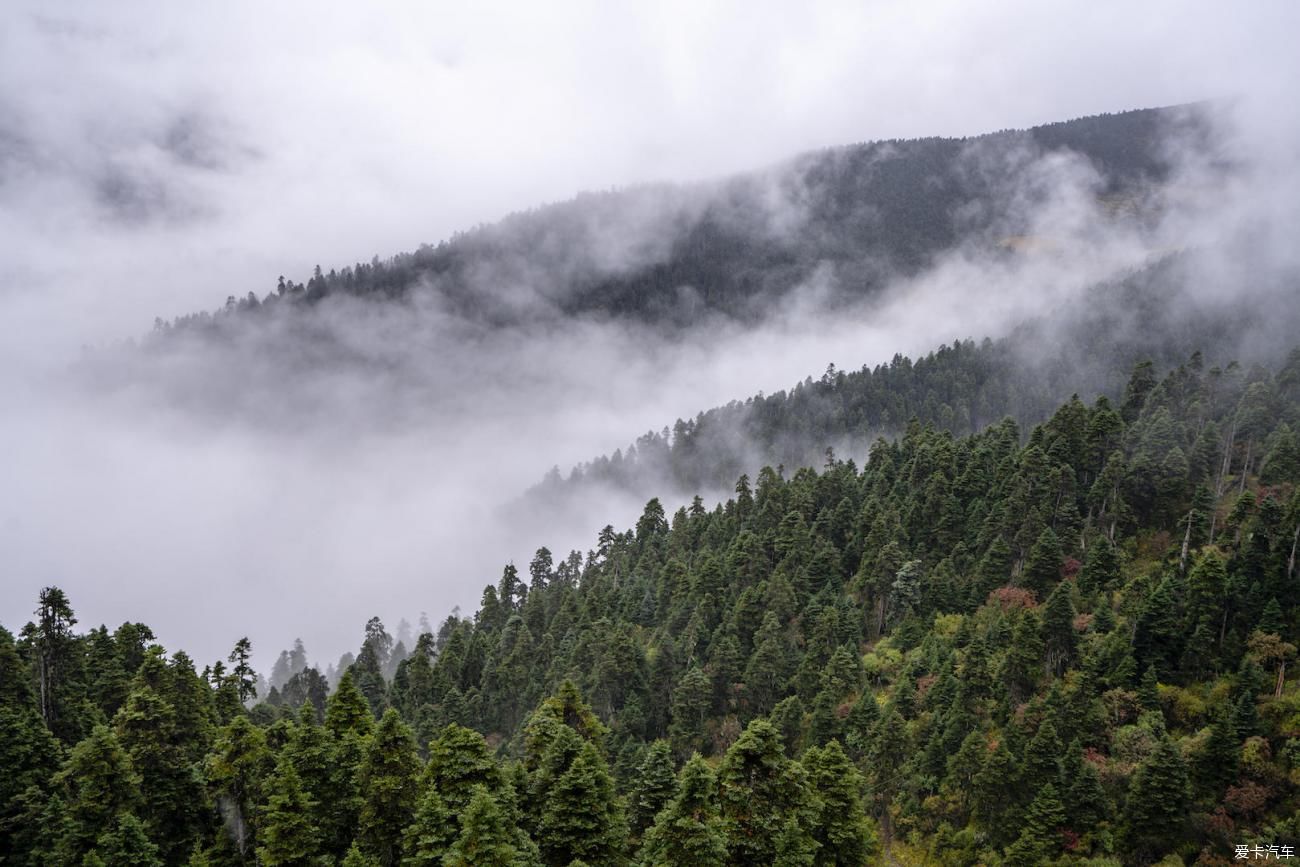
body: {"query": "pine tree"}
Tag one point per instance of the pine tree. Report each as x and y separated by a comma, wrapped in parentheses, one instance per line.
(1156, 807)
(689, 830)
(1040, 838)
(760, 788)
(581, 817)
(485, 840)
(126, 845)
(656, 785)
(286, 832)
(843, 831)
(388, 786)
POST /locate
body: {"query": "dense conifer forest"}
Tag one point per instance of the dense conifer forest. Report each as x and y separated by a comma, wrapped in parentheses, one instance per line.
(1069, 644)
(668, 255)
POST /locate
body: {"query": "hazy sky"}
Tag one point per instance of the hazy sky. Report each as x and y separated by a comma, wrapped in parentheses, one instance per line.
(157, 157)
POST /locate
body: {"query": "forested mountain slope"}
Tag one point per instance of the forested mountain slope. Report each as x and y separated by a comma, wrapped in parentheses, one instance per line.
(992, 648)
(668, 255)
(1086, 347)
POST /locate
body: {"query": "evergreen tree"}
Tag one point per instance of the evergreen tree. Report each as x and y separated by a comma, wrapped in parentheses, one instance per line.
(485, 840)
(843, 832)
(1058, 630)
(1040, 838)
(689, 830)
(237, 768)
(388, 786)
(149, 730)
(656, 784)
(286, 833)
(582, 818)
(126, 845)
(760, 788)
(1156, 807)
(1216, 767)
(96, 787)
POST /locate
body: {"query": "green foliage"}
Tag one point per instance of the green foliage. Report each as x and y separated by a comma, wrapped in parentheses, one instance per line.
(760, 789)
(843, 832)
(873, 622)
(689, 830)
(388, 786)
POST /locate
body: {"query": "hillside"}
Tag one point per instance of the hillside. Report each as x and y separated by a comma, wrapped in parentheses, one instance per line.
(1086, 348)
(670, 255)
(969, 648)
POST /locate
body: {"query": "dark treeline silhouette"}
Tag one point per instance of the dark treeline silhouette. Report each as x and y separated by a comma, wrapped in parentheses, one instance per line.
(668, 255)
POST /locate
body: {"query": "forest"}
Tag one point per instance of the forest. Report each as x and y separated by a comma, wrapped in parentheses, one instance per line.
(1069, 643)
(668, 256)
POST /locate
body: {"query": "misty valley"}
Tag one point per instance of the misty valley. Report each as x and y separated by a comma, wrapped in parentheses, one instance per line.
(1016, 586)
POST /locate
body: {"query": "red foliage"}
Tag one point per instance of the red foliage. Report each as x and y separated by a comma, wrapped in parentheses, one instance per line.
(1008, 598)
(923, 685)
(1069, 839)
(1248, 799)
(1070, 568)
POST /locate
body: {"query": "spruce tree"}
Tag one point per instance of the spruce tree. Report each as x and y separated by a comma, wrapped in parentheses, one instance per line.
(1156, 807)
(388, 787)
(96, 785)
(1086, 803)
(582, 817)
(485, 839)
(689, 830)
(149, 731)
(655, 786)
(286, 833)
(842, 830)
(125, 845)
(237, 769)
(1216, 767)
(760, 788)
(1059, 639)
(1040, 838)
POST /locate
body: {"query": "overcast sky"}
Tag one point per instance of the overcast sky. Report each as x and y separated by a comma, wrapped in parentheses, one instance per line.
(157, 157)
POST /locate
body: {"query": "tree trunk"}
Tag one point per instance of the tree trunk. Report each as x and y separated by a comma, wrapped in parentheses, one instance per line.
(1187, 543)
(1290, 561)
(1245, 468)
(1281, 676)
(1226, 464)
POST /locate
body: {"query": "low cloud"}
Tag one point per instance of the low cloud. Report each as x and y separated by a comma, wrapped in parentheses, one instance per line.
(152, 164)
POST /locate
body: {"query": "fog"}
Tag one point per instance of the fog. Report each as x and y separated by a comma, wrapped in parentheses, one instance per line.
(154, 161)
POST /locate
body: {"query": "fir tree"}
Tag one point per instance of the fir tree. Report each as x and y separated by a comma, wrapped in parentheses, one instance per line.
(1040, 838)
(1156, 807)
(656, 784)
(286, 832)
(760, 788)
(689, 830)
(843, 832)
(485, 839)
(388, 786)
